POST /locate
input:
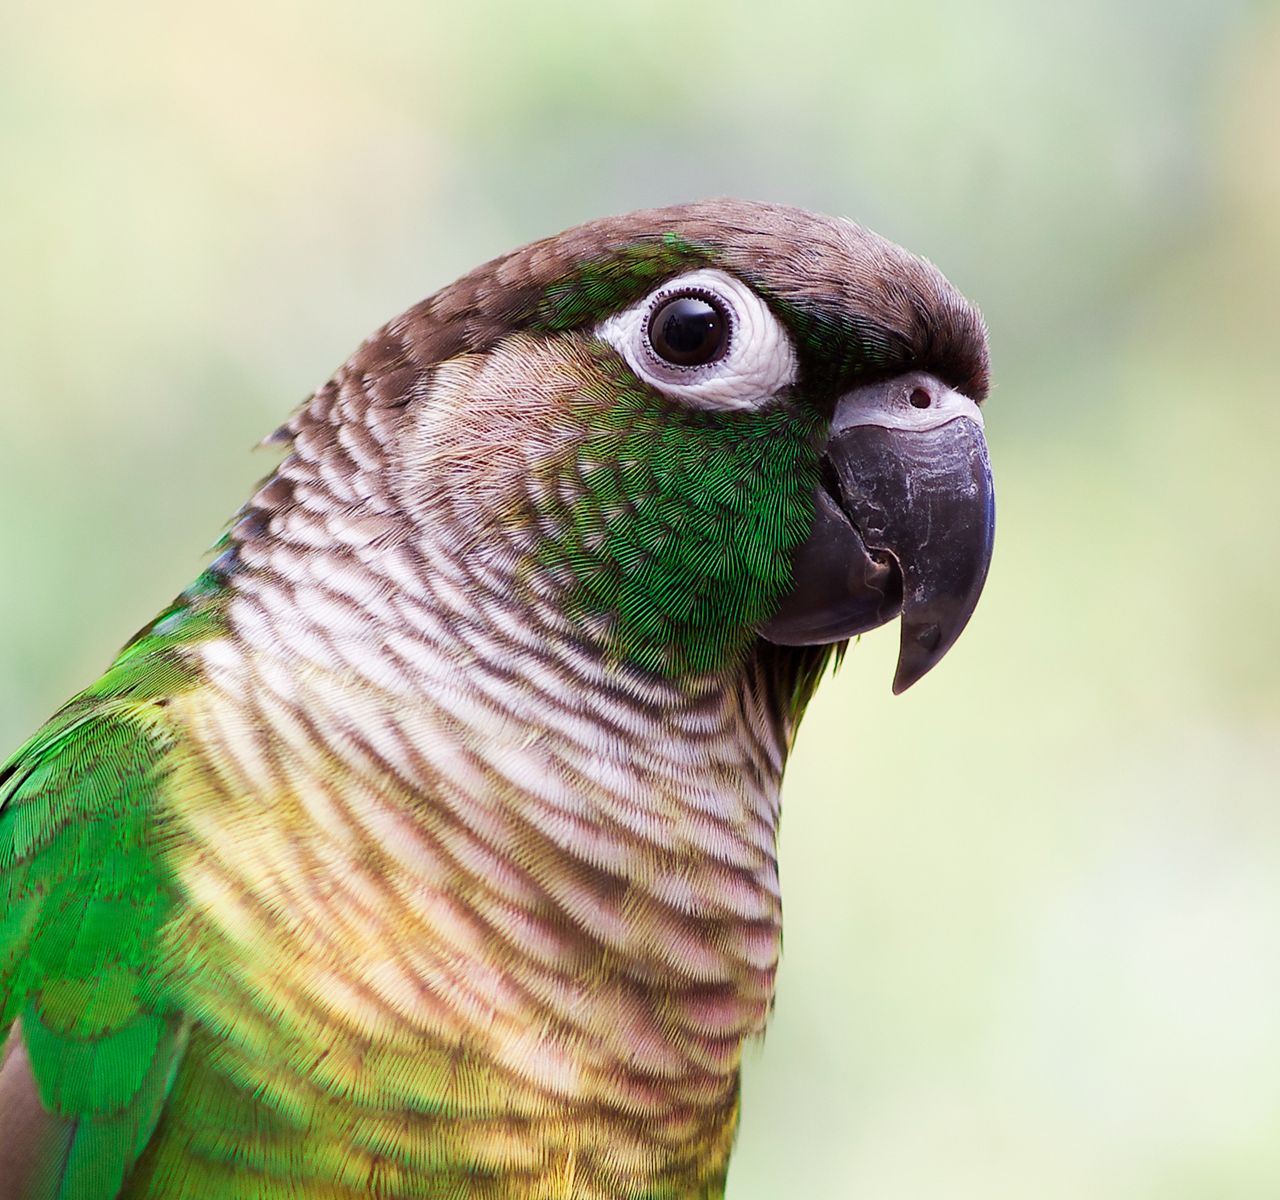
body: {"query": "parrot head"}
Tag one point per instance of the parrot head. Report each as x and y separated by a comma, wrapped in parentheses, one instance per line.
(427, 843)
(676, 436)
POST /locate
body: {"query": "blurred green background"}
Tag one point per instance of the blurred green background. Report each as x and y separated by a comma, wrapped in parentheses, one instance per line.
(1033, 907)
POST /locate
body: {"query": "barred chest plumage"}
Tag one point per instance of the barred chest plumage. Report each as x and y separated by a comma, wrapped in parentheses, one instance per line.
(443, 857)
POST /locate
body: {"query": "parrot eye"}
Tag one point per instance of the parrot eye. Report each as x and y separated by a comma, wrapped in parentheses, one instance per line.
(690, 330)
(705, 339)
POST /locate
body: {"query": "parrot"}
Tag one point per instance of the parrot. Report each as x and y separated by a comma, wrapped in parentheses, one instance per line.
(426, 845)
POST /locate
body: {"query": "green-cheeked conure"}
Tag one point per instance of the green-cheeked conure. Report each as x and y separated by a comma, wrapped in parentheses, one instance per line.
(425, 846)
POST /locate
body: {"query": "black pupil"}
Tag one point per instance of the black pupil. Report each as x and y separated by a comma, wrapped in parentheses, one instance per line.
(688, 331)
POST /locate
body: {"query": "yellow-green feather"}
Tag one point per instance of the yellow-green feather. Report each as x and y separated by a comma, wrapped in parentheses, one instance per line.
(81, 904)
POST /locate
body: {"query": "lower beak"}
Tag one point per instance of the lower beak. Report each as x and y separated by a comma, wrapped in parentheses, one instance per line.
(904, 522)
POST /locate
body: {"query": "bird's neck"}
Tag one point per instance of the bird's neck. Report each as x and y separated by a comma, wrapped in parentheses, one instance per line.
(427, 814)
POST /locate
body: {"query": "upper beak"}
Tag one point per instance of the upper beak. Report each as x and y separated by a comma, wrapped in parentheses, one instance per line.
(904, 522)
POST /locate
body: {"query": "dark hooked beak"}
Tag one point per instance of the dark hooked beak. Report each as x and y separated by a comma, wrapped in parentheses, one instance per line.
(904, 522)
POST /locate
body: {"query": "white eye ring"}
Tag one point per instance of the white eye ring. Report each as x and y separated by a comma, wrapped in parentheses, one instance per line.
(758, 362)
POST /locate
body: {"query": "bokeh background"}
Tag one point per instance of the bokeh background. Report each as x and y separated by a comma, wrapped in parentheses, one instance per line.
(1033, 941)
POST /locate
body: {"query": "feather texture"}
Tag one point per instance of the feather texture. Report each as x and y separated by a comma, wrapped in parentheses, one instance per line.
(425, 847)
(90, 1032)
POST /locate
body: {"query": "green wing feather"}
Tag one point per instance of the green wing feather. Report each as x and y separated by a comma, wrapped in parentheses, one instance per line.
(82, 899)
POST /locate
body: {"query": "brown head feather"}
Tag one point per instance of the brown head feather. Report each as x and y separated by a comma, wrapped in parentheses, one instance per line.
(831, 277)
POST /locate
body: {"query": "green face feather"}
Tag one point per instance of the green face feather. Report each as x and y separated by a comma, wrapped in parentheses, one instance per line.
(612, 282)
(682, 522)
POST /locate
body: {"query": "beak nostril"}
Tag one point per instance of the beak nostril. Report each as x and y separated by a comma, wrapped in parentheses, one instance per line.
(920, 398)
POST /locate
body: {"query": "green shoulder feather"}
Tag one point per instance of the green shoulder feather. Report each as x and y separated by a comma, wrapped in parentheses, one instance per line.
(82, 899)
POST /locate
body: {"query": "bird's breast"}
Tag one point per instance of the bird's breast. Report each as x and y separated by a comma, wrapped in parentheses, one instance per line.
(476, 911)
